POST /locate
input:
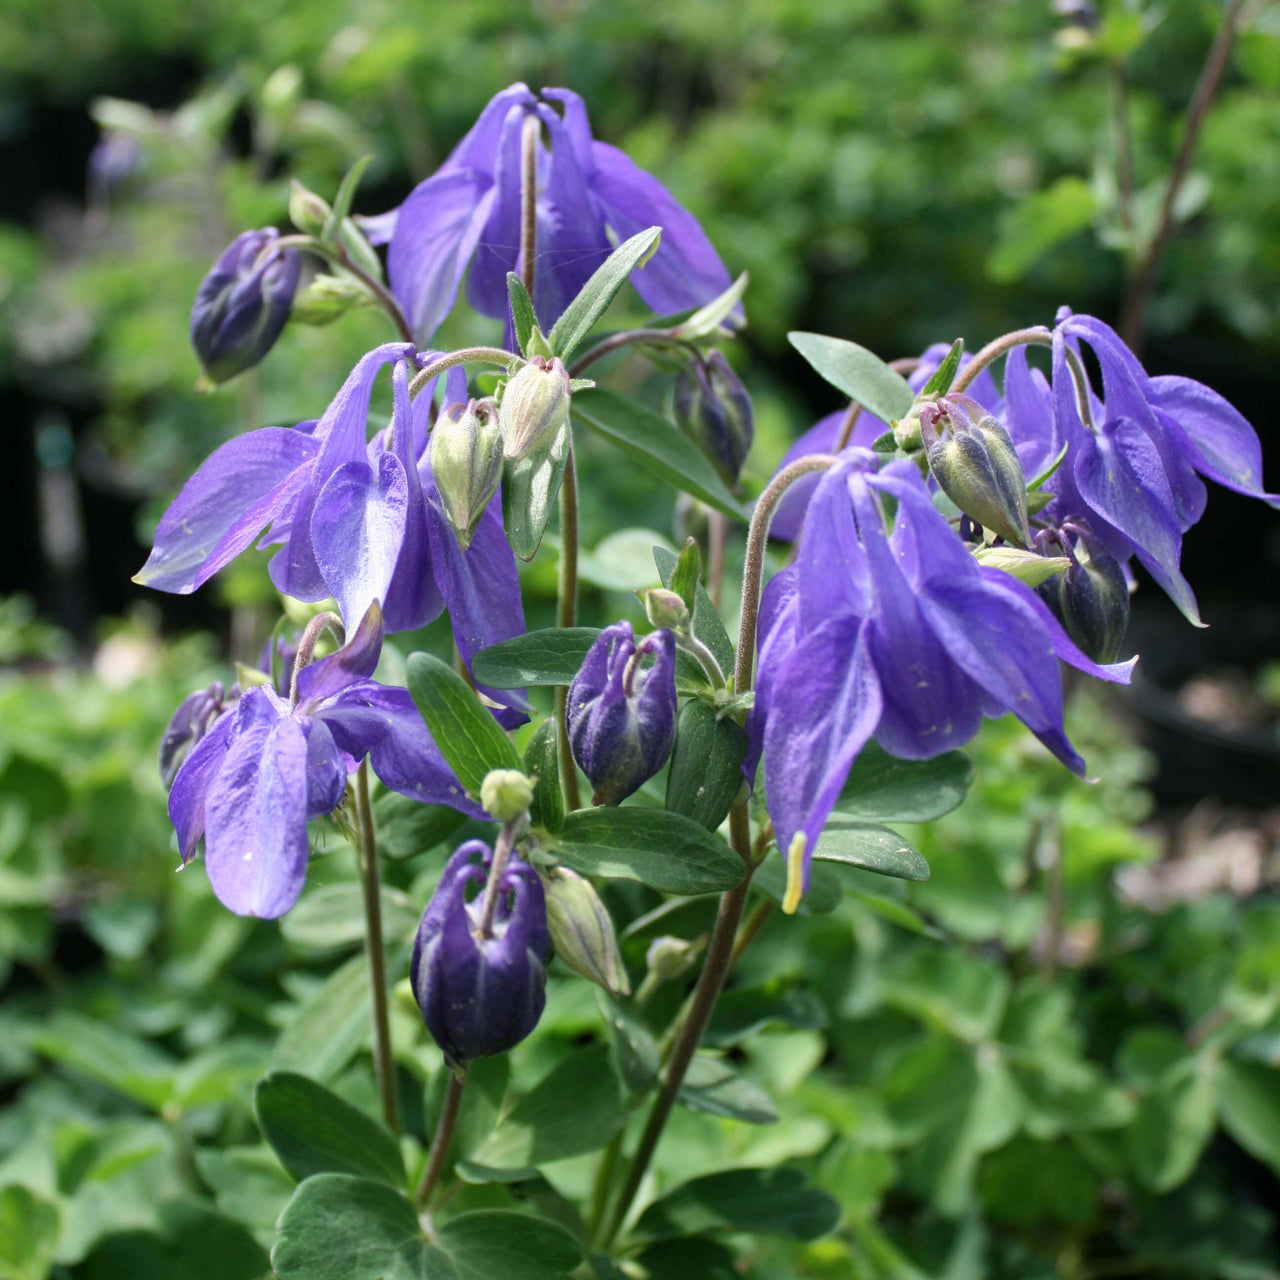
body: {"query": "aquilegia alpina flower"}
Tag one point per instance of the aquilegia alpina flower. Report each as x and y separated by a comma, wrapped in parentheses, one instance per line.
(622, 719)
(359, 520)
(468, 211)
(243, 303)
(255, 778)
(481, 993)
(887, 627)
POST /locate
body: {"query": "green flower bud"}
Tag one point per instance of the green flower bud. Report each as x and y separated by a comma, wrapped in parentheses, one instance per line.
(307, 211)
(535, 405)
(669, 958)
(664, 608)
(582, 931)
(505, 794)
(466, 461)
(327, 298)
(973, 459)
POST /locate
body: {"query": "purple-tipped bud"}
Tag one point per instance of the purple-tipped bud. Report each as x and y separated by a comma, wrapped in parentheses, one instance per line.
(243, 303)
(481, 994)
(622, 719)
(192, 720)
(1091, 600)
(973, 459)
(713, 409)
(535, 405)
(466, 461)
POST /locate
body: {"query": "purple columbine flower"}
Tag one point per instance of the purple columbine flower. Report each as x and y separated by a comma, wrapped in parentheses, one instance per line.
(622, 720)
(359, 520)
(195, 716)
(888, 628)
(264, 768)
(481, 995)
(468, 211)
(1135, 456)
(243, 303)
(788, 516)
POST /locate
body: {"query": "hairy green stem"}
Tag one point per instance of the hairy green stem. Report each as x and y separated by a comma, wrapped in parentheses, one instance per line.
(1038, 336)
(567, 616)
(442, 1139)
(383, 1059)
(468, 355)
(529, 200)
(307, 646)
(627, 338)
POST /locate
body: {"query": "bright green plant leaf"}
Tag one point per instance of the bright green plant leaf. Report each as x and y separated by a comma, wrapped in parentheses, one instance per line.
(862, 376)
(313, 1130)
(541, 1127)
(469, 738)
(339, 1227)
(945, 374)
(705, 776)
(29, 1227)
(656, 443)
(522, 312)
(1249, 1105)
(529, 489)
(666, 851)
(686, 573)
(774, 1201)
(871, 847)
(1171, 1128)
(550, 656)
(541, 763)
(1041, 222)
(882, 788)
(580, 316)
(707, 320)
(714, 1087)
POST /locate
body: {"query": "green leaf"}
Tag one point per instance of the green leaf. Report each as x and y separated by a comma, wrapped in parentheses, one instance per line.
(896, 912)
(656, 443)
(743, 1011)
(822, 895)
(712, 1086)
(945, 374)
(633, 1050)
(194, 1243)
(541, 763)
(522, 312)
(707, 320)
(551, 656)
(871, 847)
(1249, 1105)
(621, 561)
(529, 489)
(705, 776)
(862, 376)
(333, 1022)
(338, 1227)
(469, 738)
(576, 1108)
(313, 1130)
(707, 624)
(773, 1201)
(684, 576)
(1038, 224)
(666, 851)
(882, 788)
(248, 1184)
(488, 1244)
(29, 1228)
(1171, 1128)
(580, 316)
(105, 1053)
(342, 201)
(1027, 567)
(407, 827)
(333, 916)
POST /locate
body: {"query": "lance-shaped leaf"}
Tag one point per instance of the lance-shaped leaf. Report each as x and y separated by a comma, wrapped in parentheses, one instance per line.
(541, 763)
(521, 310)
(862, 376)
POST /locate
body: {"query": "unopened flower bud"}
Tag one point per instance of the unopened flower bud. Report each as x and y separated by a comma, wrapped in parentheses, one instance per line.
(1091, 600)
(622, 719)
(973, 459)
(481, 994)
(664, 608)
(535, 405)
(582, 931)
(243, 303)
(690, 519)
(713, 409)
(505, 794)
(669, 958)
(327, 298)
(307, 211)
(906, 433)
(192, 720)
(466, 461)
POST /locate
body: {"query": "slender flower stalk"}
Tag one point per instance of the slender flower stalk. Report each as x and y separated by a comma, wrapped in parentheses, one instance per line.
(468, 355)
(307, 646)
(442, 1139)
(383, 1059)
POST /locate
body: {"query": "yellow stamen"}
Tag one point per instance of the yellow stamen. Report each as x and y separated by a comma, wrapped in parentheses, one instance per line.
(795, 873)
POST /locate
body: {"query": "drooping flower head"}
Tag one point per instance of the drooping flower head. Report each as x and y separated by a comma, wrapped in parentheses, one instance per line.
(468, 212)
(481, 993)
(243, 303)
(622, 718)
(887, 627)
(265, 768)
